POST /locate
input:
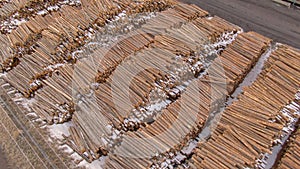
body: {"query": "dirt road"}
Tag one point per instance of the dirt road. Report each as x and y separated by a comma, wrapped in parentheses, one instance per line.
(265, 17)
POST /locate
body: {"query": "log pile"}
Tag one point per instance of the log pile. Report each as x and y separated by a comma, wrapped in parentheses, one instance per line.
(105, 66)
(245, 47)
(49, 49)
(70, 24)
(37, 58)
(4, 2)
(30, 10)
(78, 20)
(23, 35)
(57, 40)
(54, 102)
(190, 35)
(190, 12)
(9, 8)
(140, 86)
(189, 103)
(250, 125)
(290, 158)
(136, 41)
(5, 50)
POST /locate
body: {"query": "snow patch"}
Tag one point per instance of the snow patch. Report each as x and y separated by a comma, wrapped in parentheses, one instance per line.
(57, 130)
(97, 164)
(42, 12)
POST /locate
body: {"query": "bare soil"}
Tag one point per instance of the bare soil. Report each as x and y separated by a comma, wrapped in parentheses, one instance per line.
(3, 162)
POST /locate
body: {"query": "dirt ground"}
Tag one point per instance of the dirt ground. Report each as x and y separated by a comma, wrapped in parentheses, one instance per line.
(3, 162)
(265, 17)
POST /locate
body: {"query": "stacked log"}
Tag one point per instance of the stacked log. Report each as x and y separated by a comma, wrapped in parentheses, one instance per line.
(4, 2)
(5, 50)
(54, 103)
(26, 34)
(250, 125)
(139, 89)
(140, 97)
(188, 105)
(9, 8)
(140, 86)
(190, 12)
(27, 8)
(79, 19)
(31, 9)
(174, 18)
(233, 66)
(57, 41)
(192, 34)
(291, 156)
(106, 66)
(136, 41)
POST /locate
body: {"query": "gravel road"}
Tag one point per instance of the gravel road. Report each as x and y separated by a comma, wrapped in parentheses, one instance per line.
(263, 16)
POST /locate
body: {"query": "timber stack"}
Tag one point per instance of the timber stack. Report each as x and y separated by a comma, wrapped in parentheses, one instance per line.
(144, 82)
(106, 65)
(290, 159)
(188, 103)
(148, 78)
(260, 103)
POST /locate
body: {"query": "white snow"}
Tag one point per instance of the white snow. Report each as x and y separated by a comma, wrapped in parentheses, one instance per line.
(54, 67)
(53, 8)
(2, 75)
(42, 12)
(225, 39)
(57, 130)
(18, 22)
(97, 164)
(89, 34)
(191, 146)
(31, 114)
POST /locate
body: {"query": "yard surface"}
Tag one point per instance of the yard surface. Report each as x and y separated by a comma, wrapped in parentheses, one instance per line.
(280, 23)
(3, 162)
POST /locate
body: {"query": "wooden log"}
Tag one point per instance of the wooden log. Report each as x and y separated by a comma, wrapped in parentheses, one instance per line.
(248, 118)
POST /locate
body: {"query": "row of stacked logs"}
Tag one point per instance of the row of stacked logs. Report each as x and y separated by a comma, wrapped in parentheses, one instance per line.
(250, 125)
(182, 120)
